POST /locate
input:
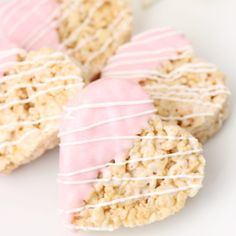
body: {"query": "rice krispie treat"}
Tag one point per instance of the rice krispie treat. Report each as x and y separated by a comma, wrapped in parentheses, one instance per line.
(187, 90)
(120, 165)
(34, 87)
(90, 31)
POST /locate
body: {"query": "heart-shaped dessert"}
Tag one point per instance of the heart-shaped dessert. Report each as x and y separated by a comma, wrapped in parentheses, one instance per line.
(187, 91)
(120, 165)
(90, 31)
(34, 86)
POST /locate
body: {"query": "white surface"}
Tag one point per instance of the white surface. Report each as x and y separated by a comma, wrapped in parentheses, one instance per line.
(28, 203)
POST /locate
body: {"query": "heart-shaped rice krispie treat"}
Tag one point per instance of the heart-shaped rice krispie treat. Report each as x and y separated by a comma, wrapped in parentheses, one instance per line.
(90, 31)
(34, 86)
(120, 165)
(187, 91)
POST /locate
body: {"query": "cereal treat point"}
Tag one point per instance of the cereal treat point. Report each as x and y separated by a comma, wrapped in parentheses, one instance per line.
(187, 91)
(90, 31)
(120, 165)
(33, 89)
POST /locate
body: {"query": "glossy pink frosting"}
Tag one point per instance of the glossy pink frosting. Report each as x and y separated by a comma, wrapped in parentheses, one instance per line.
(146, 52)
(78, 157)
(30, 24)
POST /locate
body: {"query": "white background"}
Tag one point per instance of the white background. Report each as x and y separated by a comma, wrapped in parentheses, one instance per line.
(28, 198)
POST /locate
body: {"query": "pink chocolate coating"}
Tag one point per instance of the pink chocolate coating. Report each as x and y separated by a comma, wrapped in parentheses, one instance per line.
(145, 52)
(30, 24)
(78, 157)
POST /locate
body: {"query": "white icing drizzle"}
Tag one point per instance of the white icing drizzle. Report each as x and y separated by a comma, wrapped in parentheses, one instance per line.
(178, 90)
(186, 117)
(38, 85)
(26, 17)
(51, 26)
(91, 13)
(39, 32)
(23, 137)
(194, 94)
(151, 39)
(28, 123)
(185, 88)
(142, 159)
(106, 104)
(32, 71)
(147, 53)
(115, 138)
(66, 13)
(132, 198)
(94, 37)
(13, 10)
(185, 100)
(174, 75)
(106, 122)
(116, 179)
(105, 46)
(40, 93)
(36, 59)
(141, 61)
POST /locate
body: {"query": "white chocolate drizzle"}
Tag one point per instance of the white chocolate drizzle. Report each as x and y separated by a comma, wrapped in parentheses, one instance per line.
(72, 5)
(39, 85)
(94, 37)
(142, 159)
(36, 59)
(40, 93)
(75, 33)
(29, 123)
(21, 139)
(151, 39)
(106, 122)
(11, 9)
(115, 138)
(43, 32)
(187, 49)
(26, 17)
(185, 100)
(131, 198)
(115, 36)
(186, 117)
(106, 104)
(32, 71)
(116, 179)
(153, 59)
(38, 32)
(174, 75)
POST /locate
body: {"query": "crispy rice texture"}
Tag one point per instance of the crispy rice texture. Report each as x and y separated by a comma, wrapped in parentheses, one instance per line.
(45, 105)
(203, 127)
(150, 209)
(102, 39)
